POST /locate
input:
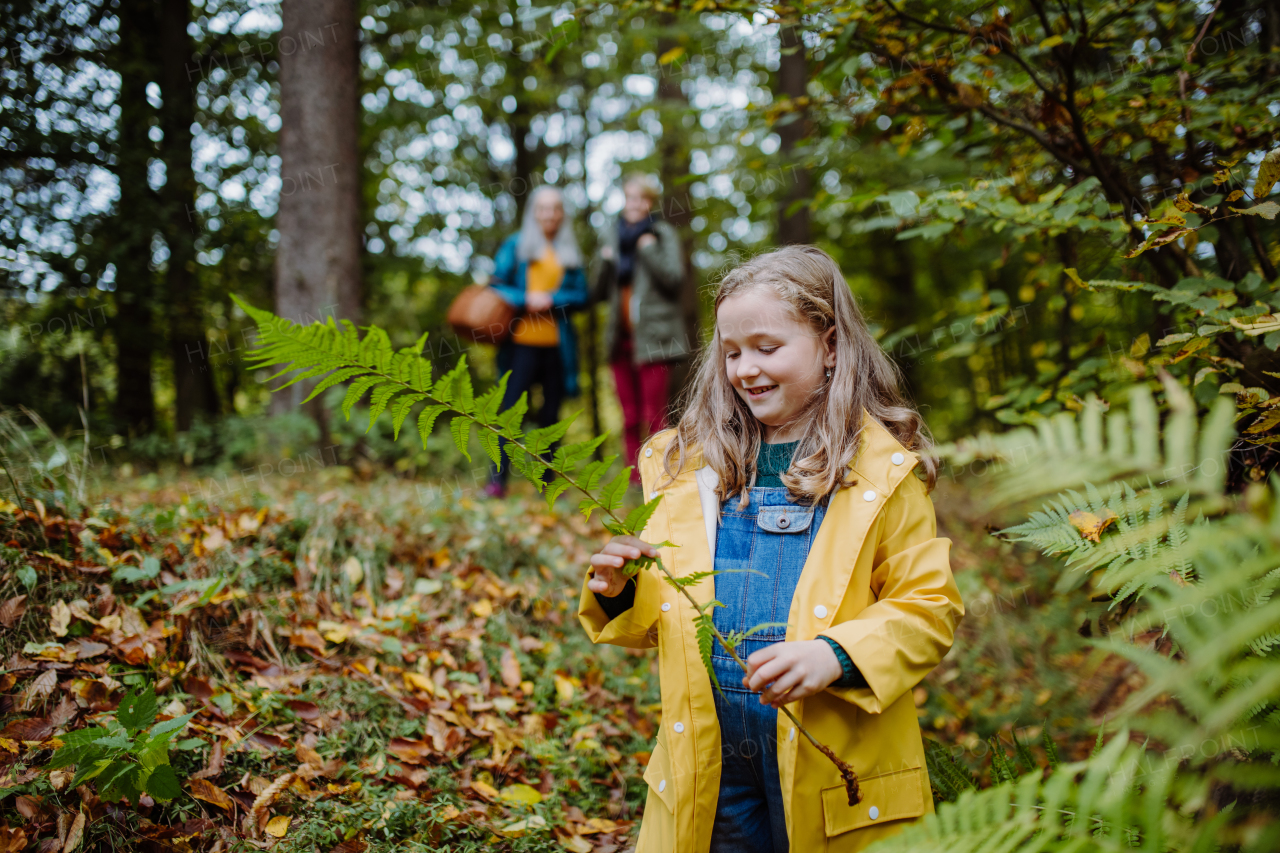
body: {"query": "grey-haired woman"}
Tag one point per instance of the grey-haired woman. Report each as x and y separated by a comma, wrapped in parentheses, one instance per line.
(539, 271)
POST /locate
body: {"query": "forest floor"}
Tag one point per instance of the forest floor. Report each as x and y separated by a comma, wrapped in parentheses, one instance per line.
(386, 665)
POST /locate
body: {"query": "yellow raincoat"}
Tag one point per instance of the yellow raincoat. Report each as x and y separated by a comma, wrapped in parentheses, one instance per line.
(877, 580)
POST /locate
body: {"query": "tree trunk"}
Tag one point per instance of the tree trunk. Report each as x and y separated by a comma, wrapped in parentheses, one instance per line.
(194, 393)
(895, 267)
(1233, 264)
(528, 162)
(793, 77)
(677, 206)
(318, 258)
(134, 224)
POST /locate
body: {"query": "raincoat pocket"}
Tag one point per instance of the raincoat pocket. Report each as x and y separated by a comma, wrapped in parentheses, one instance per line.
(658, 827)
(658, 775)
(889, 796)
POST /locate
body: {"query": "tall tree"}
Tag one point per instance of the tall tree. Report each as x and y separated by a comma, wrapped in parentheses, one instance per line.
(135, 222)
(318, 257)
(194, 393)
(677, 203)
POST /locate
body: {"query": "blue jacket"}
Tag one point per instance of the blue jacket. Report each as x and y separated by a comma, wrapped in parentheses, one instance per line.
(509, 280)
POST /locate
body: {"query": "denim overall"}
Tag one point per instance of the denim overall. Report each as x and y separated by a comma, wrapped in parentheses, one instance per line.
(770, 538)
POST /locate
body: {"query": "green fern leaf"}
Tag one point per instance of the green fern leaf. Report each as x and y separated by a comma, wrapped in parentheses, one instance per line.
(593, 473)
(1023, 754)
(488, 400)
(636, 520)
(509, 421)
(401, 410)
(691, 580)
(487, 406)
(1050, 748)
(357, 390)
(948, 776)
(704, 630)
(427, 420)
(540, 440)
(464, 400)
(454, 387)
(1001, 769)
(611, 495)
(333, 379)
(569, 455)
(492, 446)
(460, 429)
(378, 402)
(554, 491)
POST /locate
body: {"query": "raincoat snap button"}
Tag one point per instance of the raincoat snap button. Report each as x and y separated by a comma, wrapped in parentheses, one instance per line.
(648, 451)
(662, 786)
(820, 611)
(897, 459)
(666, 605)
(679, 727)
(873, 813)
(793, 734)
(868, 495)
(782, 522)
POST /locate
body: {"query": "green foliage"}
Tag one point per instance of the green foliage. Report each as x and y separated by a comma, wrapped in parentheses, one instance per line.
(1209, 704)
(1069, 449)
(1084, 806)
(127, 757)
(947, 775)
(1141, 534)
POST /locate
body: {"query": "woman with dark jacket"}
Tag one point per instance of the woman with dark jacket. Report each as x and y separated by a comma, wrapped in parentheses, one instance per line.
(642, 275)
(539, 272)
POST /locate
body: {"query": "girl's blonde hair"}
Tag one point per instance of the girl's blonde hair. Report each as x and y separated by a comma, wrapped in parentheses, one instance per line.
(718, 422)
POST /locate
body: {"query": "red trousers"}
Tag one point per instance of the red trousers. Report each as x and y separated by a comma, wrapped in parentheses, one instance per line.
(642, 391)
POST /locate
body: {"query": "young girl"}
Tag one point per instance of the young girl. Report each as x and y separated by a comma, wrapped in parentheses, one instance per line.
(792, 472)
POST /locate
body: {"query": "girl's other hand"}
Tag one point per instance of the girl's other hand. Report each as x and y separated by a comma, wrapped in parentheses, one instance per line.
(791, 671)
(608, 577)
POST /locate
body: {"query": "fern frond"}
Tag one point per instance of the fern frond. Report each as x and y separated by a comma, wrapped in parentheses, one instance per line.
(1067, 450)
(1091, 805)
(1050, 748)
(705, 631)
(947, 775)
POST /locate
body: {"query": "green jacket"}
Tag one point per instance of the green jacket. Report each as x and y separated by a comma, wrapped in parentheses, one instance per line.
(655, 287)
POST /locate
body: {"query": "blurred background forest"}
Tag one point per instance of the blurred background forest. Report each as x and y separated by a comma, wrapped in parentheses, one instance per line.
(1059, 218)
(956, 166)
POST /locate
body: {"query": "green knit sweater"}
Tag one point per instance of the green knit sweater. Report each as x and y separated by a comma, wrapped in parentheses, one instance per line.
(772, 461)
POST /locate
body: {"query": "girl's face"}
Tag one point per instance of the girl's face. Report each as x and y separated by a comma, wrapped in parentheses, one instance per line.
(775, 362)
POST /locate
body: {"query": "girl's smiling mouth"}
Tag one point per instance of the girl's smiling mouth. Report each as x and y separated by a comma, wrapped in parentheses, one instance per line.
(760, 391)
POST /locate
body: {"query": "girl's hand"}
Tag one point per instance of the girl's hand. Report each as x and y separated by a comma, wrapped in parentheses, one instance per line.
(609, 579)
(792, 671)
